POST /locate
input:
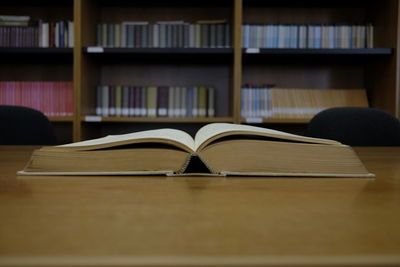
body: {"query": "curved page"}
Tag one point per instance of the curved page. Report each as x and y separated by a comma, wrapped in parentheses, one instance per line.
(213, 131)
(166, 136)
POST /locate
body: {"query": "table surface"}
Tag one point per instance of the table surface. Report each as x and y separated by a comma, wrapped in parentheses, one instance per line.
(200, 221)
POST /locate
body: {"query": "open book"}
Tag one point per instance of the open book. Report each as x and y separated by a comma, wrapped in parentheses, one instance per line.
(217, 149)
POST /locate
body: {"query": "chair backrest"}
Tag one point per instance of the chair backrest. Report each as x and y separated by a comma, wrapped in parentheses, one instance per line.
(356, 126)
(25, 126)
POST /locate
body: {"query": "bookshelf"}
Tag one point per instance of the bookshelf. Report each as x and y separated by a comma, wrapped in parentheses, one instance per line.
(227, 69)
(372, 68)
(32, 64)
(149, 66)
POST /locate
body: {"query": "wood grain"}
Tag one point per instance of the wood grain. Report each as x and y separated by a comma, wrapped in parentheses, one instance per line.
(199, 221)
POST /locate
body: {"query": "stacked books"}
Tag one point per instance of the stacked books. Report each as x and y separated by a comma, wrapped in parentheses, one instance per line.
(307, 36)
(155, 101)
(165, 34)
(19, 31)
(7, 20)
(52, 98)
(292, 103)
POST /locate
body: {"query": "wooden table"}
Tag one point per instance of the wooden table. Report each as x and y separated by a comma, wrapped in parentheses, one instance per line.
(200, 221)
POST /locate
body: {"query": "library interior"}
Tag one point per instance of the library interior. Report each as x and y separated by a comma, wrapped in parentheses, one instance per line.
(199, 133)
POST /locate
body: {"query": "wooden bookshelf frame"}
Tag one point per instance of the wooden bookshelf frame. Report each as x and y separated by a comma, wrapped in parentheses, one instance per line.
(387, 54)
(379, 66)
(155, 119)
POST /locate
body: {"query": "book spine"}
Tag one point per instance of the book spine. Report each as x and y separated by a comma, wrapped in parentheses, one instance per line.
(202, 99)
(370, 36)
(125, 100)
(57, 32)
(177, 101)
(138, 99)
(210, 102)
(124, 30)
(112, 100)
(195, 110)
(156, 35)
(162, 101)
(162, 36)
(117, 35)
(143, 101)
(46, 32)
(197, 36)
(104, 35)
(189, 102)
(99, 100)
(171, 104)
(130, 36)
(71, 34)
(132, 101)
(183, 105)
(118, 100)
(105, 98)
(151, 101)
(150, 36)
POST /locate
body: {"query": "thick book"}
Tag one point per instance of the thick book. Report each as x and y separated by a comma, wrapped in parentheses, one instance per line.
(218, 149)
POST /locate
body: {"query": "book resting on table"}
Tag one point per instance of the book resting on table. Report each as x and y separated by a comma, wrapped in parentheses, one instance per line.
(218, 149)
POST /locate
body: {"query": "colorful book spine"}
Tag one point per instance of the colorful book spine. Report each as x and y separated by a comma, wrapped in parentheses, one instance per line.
(162, 101)
(151, 101)
(125, 101)
(45, 34)
(264, 101)
(164, 34)
(155, 101)
(255, 101)
(313, 36)
(202, 100)
(51, 98)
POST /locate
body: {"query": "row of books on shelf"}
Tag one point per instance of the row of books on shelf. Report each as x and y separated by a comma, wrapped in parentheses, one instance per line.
(165, 34)
(19, 31)
(155, 101)
(265, 101)
(307, 36)
(52, 98)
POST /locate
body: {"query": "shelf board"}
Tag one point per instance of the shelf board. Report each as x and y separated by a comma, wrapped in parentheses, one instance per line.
(155, 119)
(163, 3)
(35, 50)
(305, 3)
(12, 55)
(105, 50)
(287, 120)
(37, 3)
(61, 118)
(276, 120)
(319, 51)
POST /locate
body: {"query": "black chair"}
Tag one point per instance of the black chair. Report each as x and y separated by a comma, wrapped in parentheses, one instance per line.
(25, 126)
(356, 126)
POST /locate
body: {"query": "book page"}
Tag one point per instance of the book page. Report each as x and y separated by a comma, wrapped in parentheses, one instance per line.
(213, 131)
(167, 135)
